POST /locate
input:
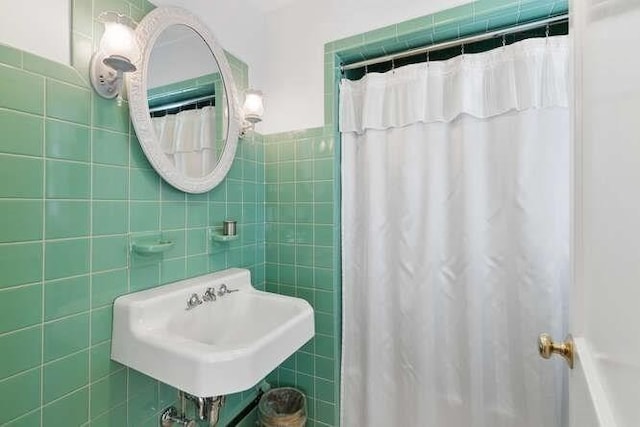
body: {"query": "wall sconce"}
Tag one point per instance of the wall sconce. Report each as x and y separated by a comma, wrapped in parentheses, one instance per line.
(116, 55)
(253, 109)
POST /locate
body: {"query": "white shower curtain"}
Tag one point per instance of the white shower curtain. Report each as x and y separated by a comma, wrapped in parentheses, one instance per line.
(455, 217)
(188, 139)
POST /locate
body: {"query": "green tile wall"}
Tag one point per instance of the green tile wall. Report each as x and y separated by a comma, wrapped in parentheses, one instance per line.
(302, 257)
(302, 195)
(73, 184)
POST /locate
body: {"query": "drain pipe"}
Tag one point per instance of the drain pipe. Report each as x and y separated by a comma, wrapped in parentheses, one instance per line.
(171, 417)
(214, 406)
(207, 408)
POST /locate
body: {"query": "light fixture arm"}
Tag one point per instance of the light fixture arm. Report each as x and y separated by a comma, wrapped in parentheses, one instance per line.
(106, 81)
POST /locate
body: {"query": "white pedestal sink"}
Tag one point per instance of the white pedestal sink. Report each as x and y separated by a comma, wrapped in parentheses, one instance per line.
(213, 348)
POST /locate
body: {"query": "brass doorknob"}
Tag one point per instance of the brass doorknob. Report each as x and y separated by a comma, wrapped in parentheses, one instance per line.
(547, 347)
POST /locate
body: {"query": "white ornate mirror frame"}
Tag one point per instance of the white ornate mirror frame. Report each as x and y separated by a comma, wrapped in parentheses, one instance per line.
(147, 33)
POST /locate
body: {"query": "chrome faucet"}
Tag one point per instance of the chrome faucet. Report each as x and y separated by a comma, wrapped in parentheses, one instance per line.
(209, 295)
(193, 301)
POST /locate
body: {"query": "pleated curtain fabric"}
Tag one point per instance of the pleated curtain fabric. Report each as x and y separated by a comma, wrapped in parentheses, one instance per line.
(455, 234)
(188, 139)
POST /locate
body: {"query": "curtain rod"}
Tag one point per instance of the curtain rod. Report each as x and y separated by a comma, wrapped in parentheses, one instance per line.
(178, 104)
(458, 42)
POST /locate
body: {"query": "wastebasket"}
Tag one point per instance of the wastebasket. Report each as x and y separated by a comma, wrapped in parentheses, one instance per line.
(283, 407)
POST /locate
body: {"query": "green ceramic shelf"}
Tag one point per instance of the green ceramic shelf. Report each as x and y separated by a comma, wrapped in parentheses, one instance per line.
(149, 244)
(148, 248)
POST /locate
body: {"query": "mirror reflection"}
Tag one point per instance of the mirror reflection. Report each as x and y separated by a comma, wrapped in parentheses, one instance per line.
(187, 101)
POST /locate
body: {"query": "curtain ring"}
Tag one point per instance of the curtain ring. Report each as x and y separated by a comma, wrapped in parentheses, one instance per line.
(393, 65)
(427, 58)
(504, 40)
(546, 31)
(366, 69)
(462, 49)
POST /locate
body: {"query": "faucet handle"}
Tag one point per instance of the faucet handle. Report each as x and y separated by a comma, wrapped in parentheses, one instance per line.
(193, 301)
(224, 289)
(209, 295)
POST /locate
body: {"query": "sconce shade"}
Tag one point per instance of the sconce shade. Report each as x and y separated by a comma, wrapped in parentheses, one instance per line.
(117, 54)
(253, 106)
(119, 46)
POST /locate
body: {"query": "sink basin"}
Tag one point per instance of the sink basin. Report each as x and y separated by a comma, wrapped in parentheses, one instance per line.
(216, 347)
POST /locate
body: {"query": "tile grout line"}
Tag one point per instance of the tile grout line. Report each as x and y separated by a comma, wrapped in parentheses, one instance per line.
(91, 240)
(92, 103)
(44, 252)
(129, 232)
(313, 239)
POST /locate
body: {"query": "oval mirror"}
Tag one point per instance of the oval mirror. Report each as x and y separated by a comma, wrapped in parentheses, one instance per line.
(183, 101)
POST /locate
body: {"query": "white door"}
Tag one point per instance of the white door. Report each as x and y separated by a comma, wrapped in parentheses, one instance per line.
(605, 301)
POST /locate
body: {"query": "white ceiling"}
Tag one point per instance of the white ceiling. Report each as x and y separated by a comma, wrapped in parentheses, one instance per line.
(261, 6)
(266, 6)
